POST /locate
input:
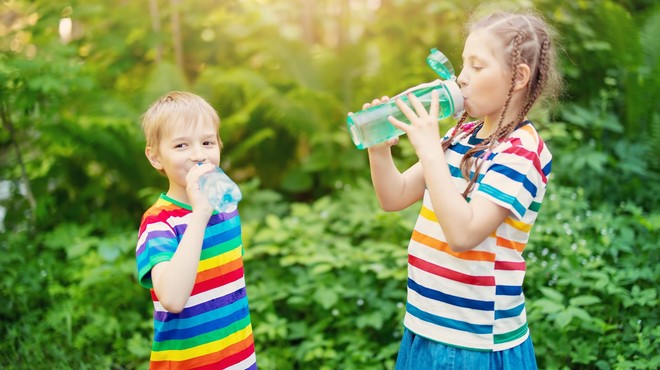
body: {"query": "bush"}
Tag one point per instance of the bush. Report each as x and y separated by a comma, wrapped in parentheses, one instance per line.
(592, 284)
(327, 283)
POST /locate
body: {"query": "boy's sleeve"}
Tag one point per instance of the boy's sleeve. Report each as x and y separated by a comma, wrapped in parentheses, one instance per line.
(514, 178)
(157, 243)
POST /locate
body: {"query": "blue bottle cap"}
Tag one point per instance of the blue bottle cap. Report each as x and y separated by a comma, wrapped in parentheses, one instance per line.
(440, 64)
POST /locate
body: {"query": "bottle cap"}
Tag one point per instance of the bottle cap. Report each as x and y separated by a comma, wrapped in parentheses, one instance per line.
(440, 64)
(451, 87)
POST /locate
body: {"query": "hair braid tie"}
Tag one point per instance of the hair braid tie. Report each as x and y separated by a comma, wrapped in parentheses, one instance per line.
(457, 129)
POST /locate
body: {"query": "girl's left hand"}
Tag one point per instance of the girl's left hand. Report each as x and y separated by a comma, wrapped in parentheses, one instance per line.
(423, 131)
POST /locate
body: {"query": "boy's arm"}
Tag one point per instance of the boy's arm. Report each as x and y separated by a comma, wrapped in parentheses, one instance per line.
(395, 190)
(174, 280)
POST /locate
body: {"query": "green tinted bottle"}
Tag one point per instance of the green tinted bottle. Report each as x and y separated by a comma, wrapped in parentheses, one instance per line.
(370, 126)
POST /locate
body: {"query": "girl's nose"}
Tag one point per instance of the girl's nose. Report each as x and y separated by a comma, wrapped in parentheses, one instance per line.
(461, 80)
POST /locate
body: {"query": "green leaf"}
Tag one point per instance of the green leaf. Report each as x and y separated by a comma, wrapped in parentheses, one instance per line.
(326, 298)
(552, 294)
(584, 300)
(108, 251)
(549, 307)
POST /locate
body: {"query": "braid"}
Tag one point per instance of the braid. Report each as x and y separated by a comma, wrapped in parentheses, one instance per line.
(457, 129)
(527, 40)
(541, 75)
(502, 130)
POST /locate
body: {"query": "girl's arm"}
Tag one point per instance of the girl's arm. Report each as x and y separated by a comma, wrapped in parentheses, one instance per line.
(395, 190)
(464, 224)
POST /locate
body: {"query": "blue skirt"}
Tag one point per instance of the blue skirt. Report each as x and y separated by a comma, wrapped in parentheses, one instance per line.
(418, 353)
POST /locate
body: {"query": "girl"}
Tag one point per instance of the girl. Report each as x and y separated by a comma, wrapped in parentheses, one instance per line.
(482, 185)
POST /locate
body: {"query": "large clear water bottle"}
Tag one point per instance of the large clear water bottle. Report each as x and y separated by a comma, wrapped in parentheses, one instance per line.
(221, 191)
(370, 126)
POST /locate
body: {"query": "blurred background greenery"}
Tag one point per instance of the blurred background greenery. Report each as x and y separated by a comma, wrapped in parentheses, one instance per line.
(326, 269)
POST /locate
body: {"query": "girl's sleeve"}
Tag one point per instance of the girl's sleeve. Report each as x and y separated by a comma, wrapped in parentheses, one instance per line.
(157, 242)
(516, 178)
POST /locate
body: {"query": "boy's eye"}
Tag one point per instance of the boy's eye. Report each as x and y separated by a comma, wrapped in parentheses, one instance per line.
(180, 145)
(207, 143)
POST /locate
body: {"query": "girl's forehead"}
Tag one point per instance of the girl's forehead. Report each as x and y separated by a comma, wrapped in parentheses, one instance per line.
(483, 45)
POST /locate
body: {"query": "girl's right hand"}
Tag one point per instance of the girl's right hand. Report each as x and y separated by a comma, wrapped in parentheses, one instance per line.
(390, 142)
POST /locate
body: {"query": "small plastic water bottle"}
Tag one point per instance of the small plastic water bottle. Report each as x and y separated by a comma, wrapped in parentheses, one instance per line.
(370, 126)
(221, 191)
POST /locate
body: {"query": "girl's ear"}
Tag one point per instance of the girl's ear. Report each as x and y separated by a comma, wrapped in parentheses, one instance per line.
(153, 158)
(524, 74)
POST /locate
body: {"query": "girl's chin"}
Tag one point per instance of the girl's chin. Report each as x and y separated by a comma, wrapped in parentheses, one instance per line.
(470, 112)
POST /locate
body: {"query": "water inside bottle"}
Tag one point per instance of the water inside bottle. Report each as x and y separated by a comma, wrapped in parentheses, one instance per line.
(221, 191)
(367, 127)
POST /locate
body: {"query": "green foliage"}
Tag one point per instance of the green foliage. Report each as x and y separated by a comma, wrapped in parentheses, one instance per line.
(325, 268)
(611, 123)
(327, 283)
(75, 301)
(592, 274)
(590, 151)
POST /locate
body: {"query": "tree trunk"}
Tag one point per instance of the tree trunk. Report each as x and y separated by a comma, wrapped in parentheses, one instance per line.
(9, 126)
(307, 22)
(155, 26)
(176, 34)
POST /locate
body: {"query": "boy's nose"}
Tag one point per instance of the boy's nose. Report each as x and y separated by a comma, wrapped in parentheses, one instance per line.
(197, 155)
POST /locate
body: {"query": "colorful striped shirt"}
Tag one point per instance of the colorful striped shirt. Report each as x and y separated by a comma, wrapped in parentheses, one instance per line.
(213, 331)
(474, 299)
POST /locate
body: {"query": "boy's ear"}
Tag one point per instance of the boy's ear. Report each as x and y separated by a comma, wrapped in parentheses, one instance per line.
(522, 79)
(153, 158)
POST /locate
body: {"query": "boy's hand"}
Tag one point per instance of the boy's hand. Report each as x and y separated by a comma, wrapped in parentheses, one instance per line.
(198, 200)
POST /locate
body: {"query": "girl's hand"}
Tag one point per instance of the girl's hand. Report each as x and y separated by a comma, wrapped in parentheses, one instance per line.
(423, 131)
(197, 199)
(389, 142)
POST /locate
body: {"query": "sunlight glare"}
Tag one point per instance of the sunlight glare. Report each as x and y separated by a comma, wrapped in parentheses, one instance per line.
(66, 29)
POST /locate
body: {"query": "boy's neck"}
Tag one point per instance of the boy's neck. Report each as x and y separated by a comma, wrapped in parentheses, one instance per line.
(175, 193)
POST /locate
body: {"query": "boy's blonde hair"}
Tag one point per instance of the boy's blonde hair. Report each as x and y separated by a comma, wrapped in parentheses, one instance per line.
(176, 108)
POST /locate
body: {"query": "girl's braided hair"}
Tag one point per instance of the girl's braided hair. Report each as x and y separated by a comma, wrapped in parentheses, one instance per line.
(527, 39)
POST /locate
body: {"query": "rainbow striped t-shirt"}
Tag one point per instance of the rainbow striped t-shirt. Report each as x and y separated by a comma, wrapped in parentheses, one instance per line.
(213, 331)
(474, 299)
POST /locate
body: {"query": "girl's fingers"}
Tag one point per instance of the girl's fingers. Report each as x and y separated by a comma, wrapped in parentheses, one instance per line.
(376, 101)
(435, 105)
(405, 109)
(419, 107)
(399, 124)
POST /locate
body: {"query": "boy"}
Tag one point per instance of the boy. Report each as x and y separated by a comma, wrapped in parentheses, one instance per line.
(189, 256)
